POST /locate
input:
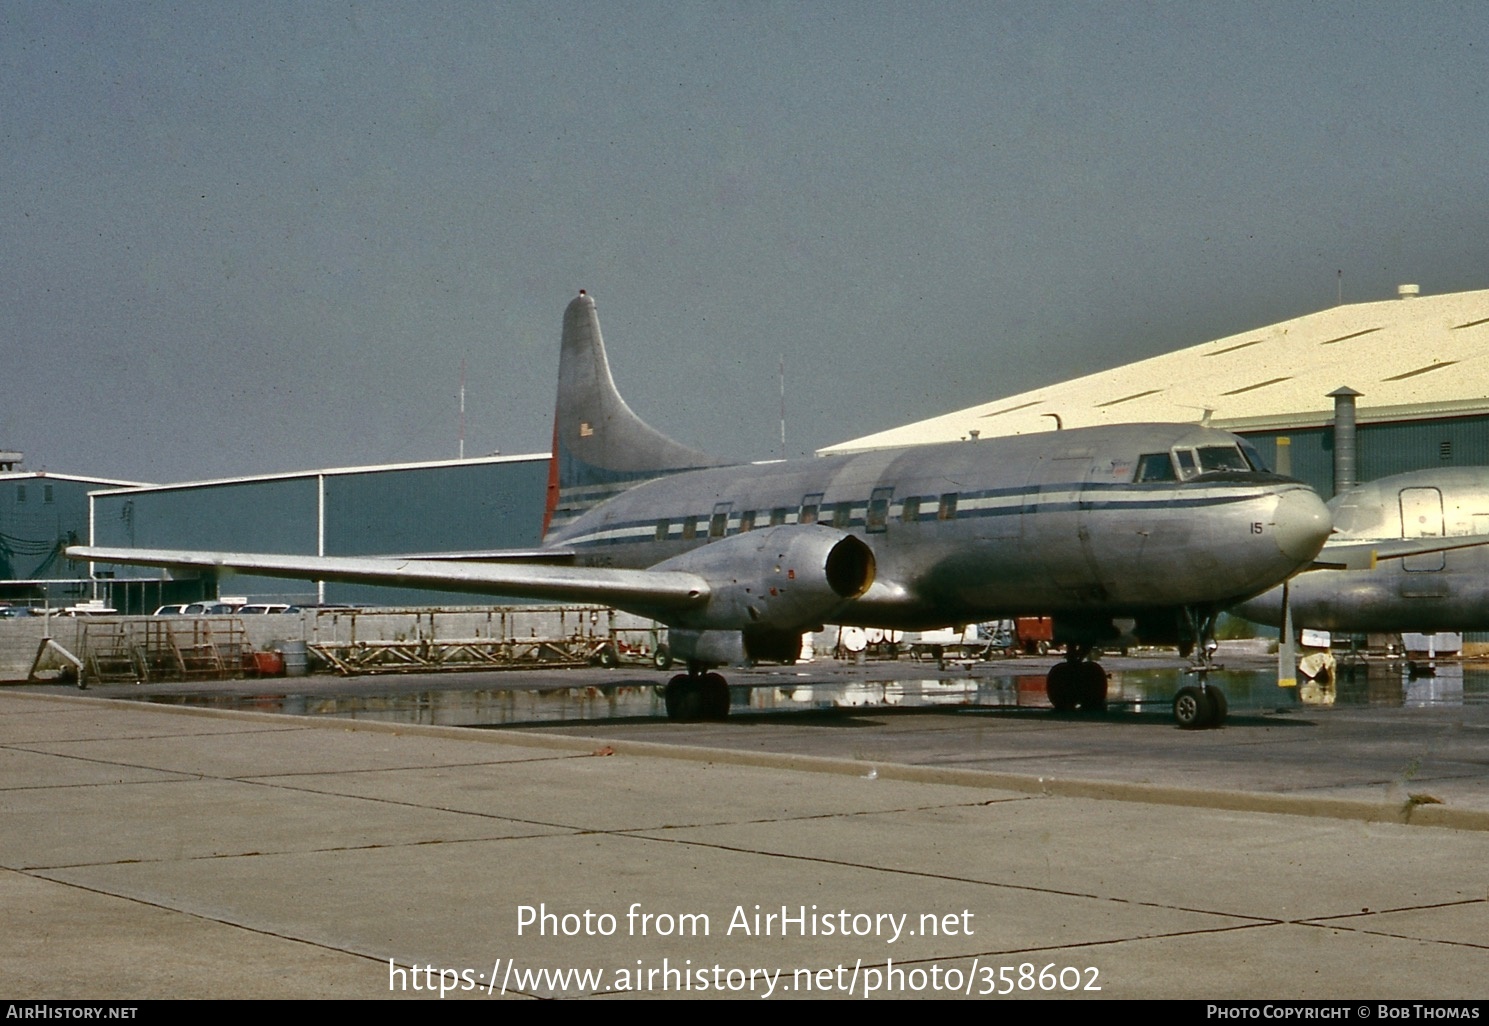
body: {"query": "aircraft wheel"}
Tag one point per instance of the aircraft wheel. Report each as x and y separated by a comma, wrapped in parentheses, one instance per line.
(684, 699)
(1219, 707)
(1091, 687)
(1061, 687)
(715, 697)
(662, 658)
(1192, 708)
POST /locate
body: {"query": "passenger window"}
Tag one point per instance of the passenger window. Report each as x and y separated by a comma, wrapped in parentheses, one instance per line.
(778, 516)
(809, 505)
(747, 521)
(876, 518)
(842, 515)
(1155, 466)
(947, 510)
(718, 524)
(910, 513)
(662, 529)
(689, 528)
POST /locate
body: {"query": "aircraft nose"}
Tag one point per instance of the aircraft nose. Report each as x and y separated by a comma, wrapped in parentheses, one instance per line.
(1303, 524)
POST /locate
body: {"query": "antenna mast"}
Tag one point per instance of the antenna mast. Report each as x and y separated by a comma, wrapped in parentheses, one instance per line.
(782, 375)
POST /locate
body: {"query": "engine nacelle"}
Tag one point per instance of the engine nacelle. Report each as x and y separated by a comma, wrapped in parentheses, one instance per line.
(778, 579)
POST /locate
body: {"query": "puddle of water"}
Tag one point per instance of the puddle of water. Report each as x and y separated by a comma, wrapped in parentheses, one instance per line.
(1130, 691)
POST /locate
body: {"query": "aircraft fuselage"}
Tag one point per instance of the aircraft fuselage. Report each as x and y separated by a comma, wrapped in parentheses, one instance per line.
(1076, 522)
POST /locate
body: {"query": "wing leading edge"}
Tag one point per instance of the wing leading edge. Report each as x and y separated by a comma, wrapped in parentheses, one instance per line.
(646, 592)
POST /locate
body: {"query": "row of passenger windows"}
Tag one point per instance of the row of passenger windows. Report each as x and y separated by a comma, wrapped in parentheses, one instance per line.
(814, 511)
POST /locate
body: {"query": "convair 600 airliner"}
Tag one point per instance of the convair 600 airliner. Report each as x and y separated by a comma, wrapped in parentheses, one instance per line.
(1144, 530)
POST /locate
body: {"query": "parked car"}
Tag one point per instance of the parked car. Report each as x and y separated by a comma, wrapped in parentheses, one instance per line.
(207, 609)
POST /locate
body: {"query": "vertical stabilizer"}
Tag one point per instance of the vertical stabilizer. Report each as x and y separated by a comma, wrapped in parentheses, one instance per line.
(600, 446)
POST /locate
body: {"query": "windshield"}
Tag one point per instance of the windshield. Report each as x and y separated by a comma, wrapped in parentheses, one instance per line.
(1225, 458)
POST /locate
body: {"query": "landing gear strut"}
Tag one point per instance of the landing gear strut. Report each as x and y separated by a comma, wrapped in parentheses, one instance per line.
(697, 695)
(1201, 705)
(1077, 683)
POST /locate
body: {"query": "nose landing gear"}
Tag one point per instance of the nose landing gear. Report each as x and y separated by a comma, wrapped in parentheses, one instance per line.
(1201, 705)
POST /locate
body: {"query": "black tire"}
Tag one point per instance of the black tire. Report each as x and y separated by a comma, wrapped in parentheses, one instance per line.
(1219, 707)
(1091, 687)
(1193, 709)
(1061, 687)
(662, 658)
(684, 699)
(715, 697)
(609, 657)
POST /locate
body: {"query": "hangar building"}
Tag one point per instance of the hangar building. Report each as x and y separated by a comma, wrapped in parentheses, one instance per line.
(1419, 364)
(40, 514)
(458, 505)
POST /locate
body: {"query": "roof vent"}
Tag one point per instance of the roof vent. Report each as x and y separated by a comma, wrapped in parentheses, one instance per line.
(1408, 291)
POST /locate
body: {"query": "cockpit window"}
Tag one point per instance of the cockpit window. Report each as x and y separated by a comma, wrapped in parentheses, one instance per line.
(1255, 459)
(1155, 466)
(1187, 467)
(1223, 459)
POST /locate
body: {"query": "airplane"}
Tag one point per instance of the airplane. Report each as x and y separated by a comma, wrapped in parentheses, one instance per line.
(1139, 530)
(1410, 552)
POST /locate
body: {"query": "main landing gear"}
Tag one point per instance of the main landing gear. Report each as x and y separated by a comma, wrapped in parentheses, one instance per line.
(696, 695)
(1077, 683)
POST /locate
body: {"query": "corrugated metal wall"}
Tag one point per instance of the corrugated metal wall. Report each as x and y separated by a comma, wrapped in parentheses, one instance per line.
(392, 510)
(1383, 449)
(35, 514)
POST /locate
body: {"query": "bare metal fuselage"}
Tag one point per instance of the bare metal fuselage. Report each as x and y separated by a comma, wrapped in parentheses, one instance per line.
(1433, 591)
(1052, 523)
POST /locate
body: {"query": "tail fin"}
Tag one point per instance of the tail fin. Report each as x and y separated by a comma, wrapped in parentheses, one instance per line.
(600, 447)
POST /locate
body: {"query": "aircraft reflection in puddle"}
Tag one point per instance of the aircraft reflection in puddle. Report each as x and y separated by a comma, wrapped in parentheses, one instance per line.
(1130, 692)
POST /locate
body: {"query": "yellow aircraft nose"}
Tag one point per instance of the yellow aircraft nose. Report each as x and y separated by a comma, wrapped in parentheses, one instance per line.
(1302, 524)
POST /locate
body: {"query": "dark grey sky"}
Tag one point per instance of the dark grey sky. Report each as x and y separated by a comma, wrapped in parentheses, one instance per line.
(242, 238)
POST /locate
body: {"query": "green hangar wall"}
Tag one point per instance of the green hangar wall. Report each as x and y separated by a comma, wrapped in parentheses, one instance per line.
(1381, 448)
(40, 514)
(467, 505)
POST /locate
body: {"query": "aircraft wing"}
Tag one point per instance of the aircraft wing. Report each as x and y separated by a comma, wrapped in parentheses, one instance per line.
(1364, 555)
(642, 591)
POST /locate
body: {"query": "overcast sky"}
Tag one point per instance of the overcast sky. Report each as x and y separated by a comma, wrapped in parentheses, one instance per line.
(244, 238)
